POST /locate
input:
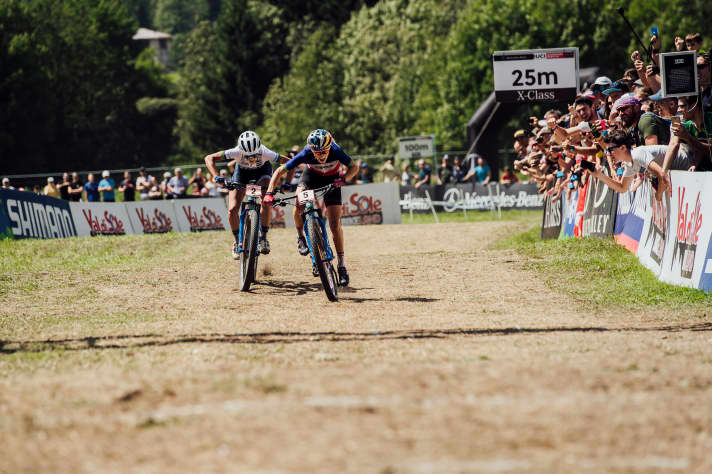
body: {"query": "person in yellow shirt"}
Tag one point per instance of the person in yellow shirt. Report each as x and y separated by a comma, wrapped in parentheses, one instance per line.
(51, 188)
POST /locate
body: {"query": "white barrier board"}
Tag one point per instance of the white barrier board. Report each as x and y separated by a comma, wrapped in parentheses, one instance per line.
(100, 218)
(152, 217)
(198, 215)
(691, 223)
(656, 227)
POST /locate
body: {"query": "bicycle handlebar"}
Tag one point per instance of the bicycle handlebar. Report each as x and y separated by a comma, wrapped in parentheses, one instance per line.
(317, 192)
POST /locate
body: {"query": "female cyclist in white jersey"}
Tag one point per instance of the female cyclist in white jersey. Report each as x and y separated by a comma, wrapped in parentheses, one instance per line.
(253, 163)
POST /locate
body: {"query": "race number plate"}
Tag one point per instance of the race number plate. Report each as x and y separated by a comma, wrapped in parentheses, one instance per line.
(254, 191)
(305, 196)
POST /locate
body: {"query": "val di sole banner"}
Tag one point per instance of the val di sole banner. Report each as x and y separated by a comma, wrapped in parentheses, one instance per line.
(690, 222)
(200, 215)
(364, 204)
(25, 215)
(100, 218)
(152, 217)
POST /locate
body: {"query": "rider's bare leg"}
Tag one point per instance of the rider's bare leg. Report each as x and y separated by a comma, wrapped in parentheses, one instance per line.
(333, 213)
(234, 199)
(298, 221)
(266, 216)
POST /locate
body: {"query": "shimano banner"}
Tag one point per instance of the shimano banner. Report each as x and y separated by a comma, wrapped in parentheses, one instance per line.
(29, 215)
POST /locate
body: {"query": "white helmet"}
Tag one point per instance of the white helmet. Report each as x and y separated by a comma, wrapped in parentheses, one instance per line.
(249, 143)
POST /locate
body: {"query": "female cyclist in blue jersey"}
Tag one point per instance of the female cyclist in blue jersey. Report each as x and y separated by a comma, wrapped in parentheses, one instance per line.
(323, 158)
(252, 164)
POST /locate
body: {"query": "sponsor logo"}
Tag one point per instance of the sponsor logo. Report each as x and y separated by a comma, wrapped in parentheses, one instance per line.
(362, 210)
(109, 224)
(689, 222)
(34, 219)
(527, 96)
(658, 227)
(457, 199)
(207, 220)
(415, 203)
(159, 224)
(552, 215)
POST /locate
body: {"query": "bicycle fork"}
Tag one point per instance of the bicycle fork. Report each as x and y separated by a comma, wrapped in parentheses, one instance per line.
(322, 224)
(244, 207)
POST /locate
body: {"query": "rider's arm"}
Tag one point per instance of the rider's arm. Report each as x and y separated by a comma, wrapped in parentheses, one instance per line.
(351, 171)
(210, 161)
(275, 178)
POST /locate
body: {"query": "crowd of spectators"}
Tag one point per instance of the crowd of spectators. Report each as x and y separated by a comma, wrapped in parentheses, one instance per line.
(621, 131)
(144, 187)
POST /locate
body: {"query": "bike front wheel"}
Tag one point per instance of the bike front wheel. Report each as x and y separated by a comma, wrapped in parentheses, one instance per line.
(248, 259)
(327, 274)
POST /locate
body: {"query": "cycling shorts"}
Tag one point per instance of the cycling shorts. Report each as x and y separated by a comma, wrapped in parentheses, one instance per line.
(312, 180)
(245, 175)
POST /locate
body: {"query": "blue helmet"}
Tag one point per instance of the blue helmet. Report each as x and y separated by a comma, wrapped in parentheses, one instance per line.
(320, 140)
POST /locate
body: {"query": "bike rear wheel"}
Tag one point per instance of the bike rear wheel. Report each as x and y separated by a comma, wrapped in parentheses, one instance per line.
(327, 274)
(248, 258)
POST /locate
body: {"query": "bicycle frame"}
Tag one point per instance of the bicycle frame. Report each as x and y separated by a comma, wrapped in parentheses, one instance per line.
(310, 208)
(246, 205)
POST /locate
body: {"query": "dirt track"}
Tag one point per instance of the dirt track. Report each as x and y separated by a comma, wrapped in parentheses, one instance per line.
(444, 356)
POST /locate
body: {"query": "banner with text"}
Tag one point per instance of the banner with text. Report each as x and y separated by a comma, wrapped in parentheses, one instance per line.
(28, 215)
(200, 215)
(599, 213)
(686, 253)
(551, 222)
(152, 217)
(100, 218)
(655, 230)
(470, 197)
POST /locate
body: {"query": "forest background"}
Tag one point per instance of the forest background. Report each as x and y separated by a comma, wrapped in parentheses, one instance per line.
(78, 93)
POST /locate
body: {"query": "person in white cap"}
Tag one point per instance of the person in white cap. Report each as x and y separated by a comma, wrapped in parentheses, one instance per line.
(6, 183)
(599, 85)
(50, 189)
(106, 187)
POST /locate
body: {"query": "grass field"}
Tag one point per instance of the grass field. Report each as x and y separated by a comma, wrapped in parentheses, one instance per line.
(459, 347)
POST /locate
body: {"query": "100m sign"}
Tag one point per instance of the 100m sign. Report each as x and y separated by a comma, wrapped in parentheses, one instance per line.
(533, 78)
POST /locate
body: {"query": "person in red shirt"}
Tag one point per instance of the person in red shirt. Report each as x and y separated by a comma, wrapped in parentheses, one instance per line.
(508, 177)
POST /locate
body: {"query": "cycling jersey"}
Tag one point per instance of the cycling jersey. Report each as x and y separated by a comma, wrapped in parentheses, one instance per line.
(263, 156)
(336, 157)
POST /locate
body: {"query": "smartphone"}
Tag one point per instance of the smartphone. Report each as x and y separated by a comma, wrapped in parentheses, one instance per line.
(654, 30)
(588, 165)
(675, 119)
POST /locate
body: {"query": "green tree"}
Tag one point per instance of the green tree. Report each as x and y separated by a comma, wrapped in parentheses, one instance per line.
(227, 72)
(74, 107)
(309, 96)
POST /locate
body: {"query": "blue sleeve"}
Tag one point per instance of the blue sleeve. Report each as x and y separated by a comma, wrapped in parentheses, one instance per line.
(343, 157)
(298, 159)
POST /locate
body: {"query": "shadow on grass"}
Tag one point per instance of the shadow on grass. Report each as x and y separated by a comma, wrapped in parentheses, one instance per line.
(131, 341)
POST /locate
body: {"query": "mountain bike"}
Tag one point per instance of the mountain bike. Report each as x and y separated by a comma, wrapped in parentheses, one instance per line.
(317, 238)
(249, 230)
